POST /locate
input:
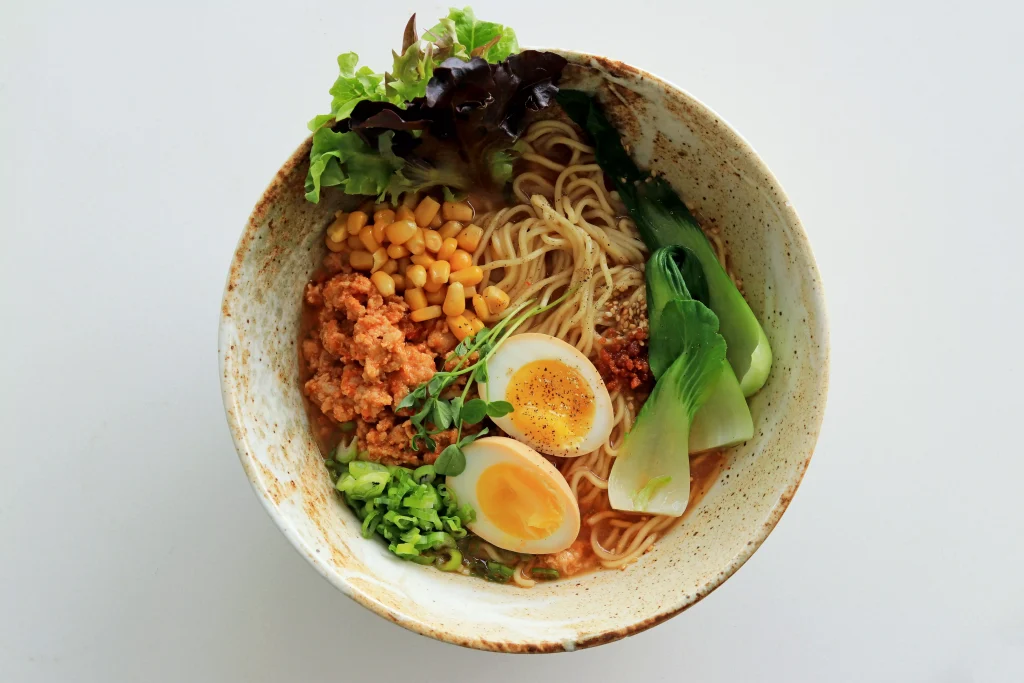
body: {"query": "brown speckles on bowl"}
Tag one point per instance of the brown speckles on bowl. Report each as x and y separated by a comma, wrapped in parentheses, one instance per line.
(727, 184)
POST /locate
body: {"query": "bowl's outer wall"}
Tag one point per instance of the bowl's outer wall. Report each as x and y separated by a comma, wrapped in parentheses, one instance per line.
(724, 181)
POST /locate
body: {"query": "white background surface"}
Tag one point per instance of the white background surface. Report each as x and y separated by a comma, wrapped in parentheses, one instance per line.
(134, 142)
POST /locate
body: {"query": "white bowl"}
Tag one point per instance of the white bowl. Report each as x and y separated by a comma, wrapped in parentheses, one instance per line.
(724, 181)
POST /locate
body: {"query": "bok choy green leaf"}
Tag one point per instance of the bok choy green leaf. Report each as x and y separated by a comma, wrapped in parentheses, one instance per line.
(724, 419)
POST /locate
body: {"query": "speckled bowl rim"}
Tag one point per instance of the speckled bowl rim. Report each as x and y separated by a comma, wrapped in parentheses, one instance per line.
(611, 633)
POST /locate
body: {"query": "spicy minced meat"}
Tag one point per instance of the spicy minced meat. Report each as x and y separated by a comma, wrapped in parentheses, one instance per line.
(622, 361)
(363, 355)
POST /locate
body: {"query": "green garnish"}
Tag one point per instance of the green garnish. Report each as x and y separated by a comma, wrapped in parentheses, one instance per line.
(501, 573)
(443, 413)
(545, 573)
(346, 453)
(420, 521)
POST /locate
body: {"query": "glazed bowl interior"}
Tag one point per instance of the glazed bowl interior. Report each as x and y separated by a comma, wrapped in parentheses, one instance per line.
(725, 183)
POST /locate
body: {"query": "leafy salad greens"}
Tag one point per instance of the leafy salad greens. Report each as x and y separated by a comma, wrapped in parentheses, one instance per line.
(464, 80)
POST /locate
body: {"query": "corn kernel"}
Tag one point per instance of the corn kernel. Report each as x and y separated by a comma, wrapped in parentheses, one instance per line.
(366, 237)
(405, 213)
(425, 211)
(356, 221)
(399, 232)
(439, 271)
(338, 231)
(332, 245)
(399, 282)
(403, 264)
(468, 277)
(397, 251)
(460, 260)
(423, 259)
(448, 248)
(470, 290)
(379, 232)
(496, 299)
(361, 260)
(460, 327)
(354, 243)
(391, 267)
(380, 257)
(432, 240)
(437, 298)
(385, 216)
(457, 211)
(427, 313)
(409, 201)
(417, 275)
(436, 221)
(469, 238)
(383, 282)
(480, 306)
(455, 300)
(477, 324)
(450, 229)
(416, 298)
(416, 243)
(433, 287)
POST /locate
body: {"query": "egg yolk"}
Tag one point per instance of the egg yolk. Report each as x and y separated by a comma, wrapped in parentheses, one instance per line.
(518, 502)
(554, 405)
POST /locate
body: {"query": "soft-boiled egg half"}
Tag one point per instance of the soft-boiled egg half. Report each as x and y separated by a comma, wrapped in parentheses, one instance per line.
(560, 403)
(522, 502)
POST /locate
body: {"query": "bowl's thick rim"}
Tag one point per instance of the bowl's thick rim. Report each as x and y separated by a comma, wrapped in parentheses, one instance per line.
(611, 633)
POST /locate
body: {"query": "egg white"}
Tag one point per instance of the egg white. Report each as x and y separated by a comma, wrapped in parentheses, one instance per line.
(522, 349)
(490, 451)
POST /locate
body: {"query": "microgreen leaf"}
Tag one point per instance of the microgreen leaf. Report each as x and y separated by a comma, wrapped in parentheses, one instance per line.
(456, 404)
(442, 415)
(436, 383)
(451, 462)
(499, 408)
(408, 401)
(474, 411)
(470, 438)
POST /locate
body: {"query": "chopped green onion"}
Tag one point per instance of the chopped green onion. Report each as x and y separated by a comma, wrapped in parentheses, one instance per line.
(360, 468)
(496, 571)
(347, 426)
(453, 562)
(420, 521)
(346, 453)
(424, 474)
(545, 573)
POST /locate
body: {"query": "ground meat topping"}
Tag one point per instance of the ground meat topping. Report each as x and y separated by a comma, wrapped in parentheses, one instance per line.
(363, 357)
(622, 360)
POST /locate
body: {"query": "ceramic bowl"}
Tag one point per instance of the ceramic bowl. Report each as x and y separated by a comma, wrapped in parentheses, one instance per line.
(727, 184)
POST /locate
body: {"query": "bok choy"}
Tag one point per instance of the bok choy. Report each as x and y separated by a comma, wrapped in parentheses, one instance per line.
(664, 220)
(724, 419)
(650, 473)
